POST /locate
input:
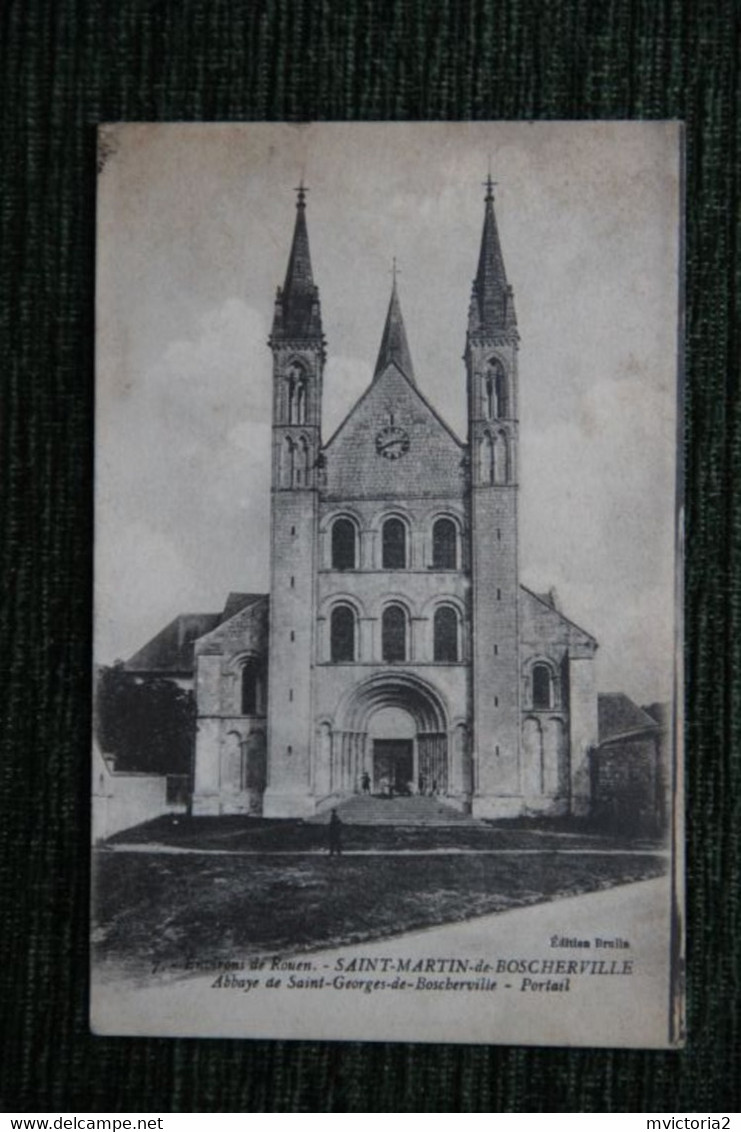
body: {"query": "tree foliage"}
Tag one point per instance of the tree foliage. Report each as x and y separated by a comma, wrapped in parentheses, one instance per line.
(147, 723)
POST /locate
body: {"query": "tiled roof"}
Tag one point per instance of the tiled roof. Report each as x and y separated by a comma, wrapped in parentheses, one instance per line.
(618, 715)
(236, 602)
(171, 651)
(659, 712)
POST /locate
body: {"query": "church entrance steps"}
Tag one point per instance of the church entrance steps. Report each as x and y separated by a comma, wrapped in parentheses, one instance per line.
(368, 809)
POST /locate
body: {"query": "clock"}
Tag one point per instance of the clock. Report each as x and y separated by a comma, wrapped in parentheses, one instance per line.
(392, 442)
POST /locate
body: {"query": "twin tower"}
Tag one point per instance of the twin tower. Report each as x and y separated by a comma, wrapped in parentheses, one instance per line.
(403, 656)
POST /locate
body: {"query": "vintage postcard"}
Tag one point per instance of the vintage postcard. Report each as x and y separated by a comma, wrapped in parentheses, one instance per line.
(387, 589)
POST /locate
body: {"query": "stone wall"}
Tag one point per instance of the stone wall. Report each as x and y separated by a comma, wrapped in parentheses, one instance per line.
(431, 465)
(628, 788)
(291, 650)
(496, 652)
(230, 745)
(122, 800)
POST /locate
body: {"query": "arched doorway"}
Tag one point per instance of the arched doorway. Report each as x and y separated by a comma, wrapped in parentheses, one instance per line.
(394, 729)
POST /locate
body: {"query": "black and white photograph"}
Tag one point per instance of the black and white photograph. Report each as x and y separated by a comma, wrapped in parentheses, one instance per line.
(387, 659)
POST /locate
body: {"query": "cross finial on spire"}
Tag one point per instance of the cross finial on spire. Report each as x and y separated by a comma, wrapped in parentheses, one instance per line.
(491, 308)
(299, 299)
(489, 185)
(394, 345)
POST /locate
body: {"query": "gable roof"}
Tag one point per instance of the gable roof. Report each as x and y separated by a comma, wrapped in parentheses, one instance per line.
(620, 717)
(170, 651)
(236, 602)
(417, 392)
(660, 712)
(393, 352)
(550, 600)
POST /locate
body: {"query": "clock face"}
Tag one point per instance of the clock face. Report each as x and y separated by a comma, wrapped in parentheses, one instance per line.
(392, 442)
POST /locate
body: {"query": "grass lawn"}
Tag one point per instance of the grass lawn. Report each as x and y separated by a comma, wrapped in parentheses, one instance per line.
(164, 908)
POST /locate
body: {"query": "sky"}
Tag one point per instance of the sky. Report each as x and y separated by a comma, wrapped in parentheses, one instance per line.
(194, 230)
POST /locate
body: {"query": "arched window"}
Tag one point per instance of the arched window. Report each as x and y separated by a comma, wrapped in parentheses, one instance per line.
(495, 390)
(251, 687)
(444, 545)
(501, 460)
(542, 689)
(394, 540)
(342, 634)
(486, 459)
(291, 383)
(297, 395)
(491, 410)
(500, 385)
(301, 400)
(446, 634)
(287, 462)
(394, 633)
(301, 463)
(343, 544)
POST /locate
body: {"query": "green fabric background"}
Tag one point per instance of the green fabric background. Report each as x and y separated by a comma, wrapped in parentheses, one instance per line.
(68, 64)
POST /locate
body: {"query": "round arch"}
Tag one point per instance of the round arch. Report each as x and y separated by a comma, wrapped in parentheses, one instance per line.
(432, 603)
(411, 757)
(296, 391)
(324, 624)
(239, 659)
(394, 511)
(400, 689)
(535, 668)
(430, 522)
(393, 597)
(326, 528)
(344, 512)
(377, 527)
(341, 598)
(496, 388)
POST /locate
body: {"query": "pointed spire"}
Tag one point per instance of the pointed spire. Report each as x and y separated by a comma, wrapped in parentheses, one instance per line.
(492, 309)
(394, 345)
(297, 313)
(299, 275)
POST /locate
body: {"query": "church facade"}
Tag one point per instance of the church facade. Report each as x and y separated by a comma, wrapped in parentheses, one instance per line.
(397, 651)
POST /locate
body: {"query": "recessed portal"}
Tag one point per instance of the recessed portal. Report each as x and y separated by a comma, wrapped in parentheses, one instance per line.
(389, 737)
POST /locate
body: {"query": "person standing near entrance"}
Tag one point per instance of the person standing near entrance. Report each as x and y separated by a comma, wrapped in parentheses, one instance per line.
(335, 834)
(365, 782)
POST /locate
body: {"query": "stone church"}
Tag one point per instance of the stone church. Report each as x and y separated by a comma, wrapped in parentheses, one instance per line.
(397, 651)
